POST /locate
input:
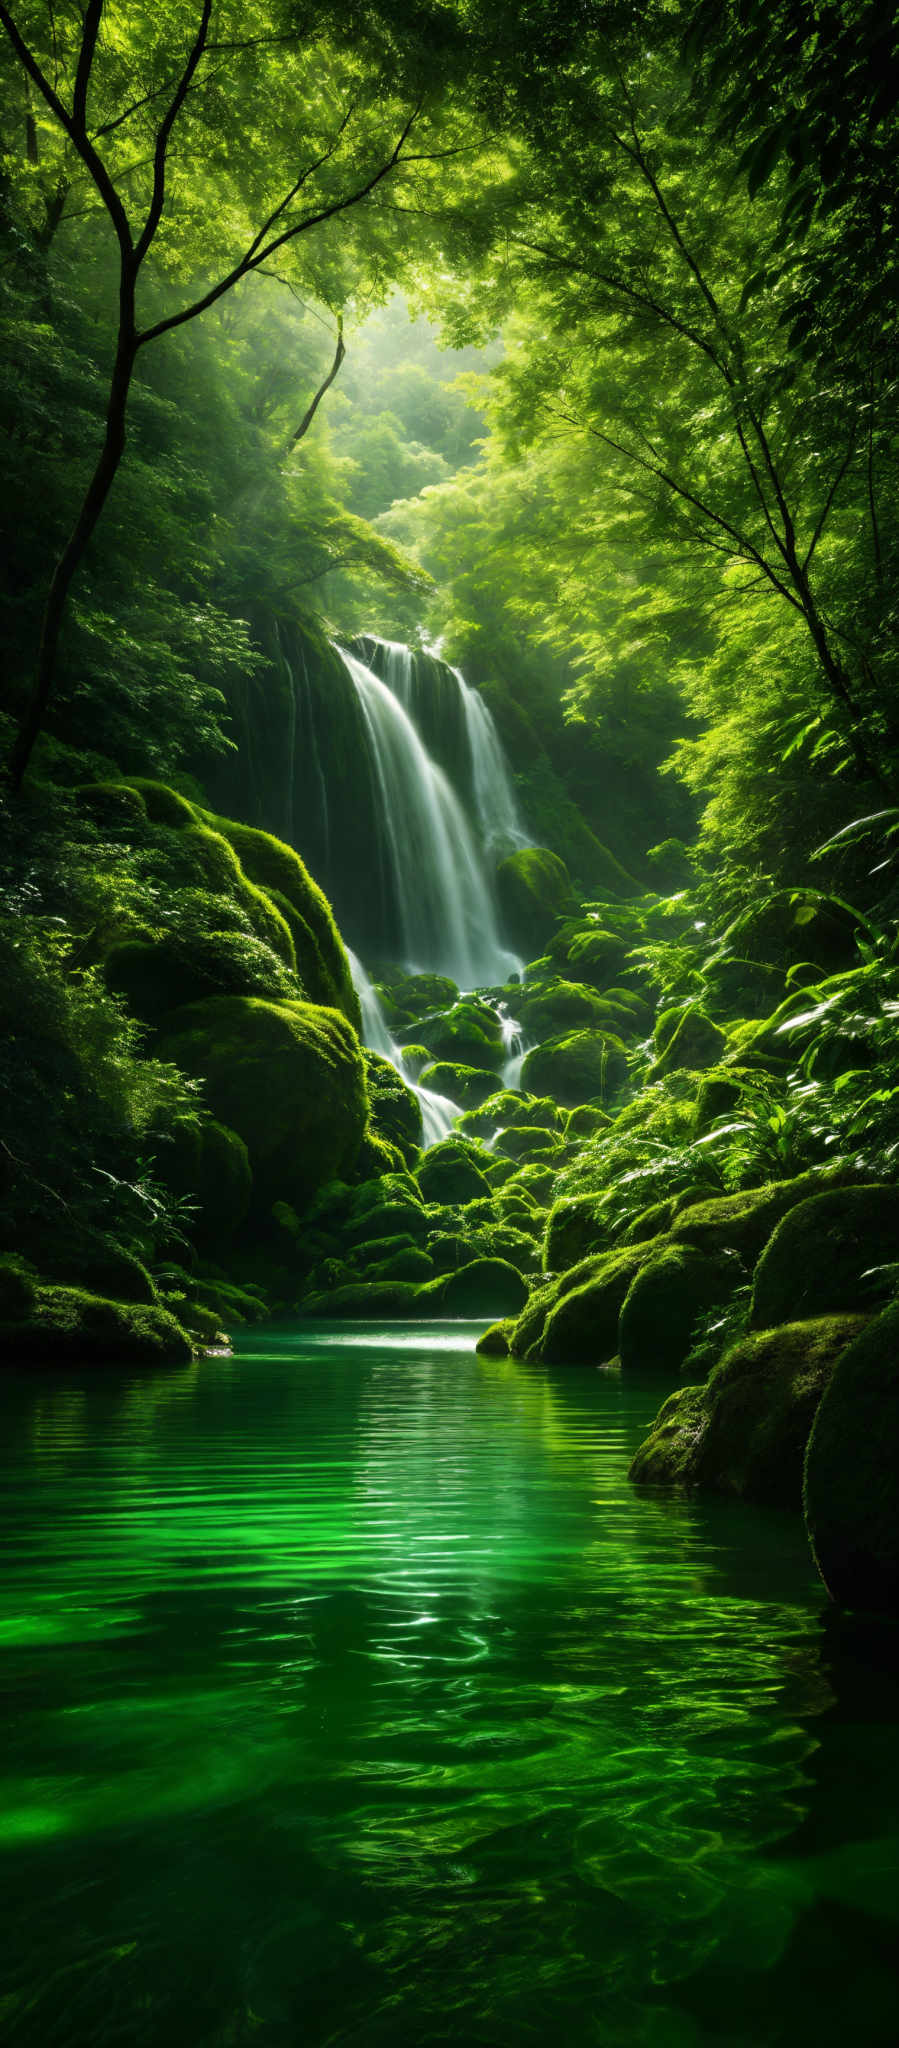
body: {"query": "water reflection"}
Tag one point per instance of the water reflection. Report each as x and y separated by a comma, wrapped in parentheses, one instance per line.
(356, 1696)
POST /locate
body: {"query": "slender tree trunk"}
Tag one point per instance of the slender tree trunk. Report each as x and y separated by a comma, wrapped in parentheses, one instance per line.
(73, 553)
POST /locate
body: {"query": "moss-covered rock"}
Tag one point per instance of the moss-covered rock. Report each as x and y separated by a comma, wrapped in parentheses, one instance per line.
(586, 1121)
(414, 1060)
(484, 1287)
(573, 1230)
(566, 1006)
(320, 954)
(67, 1325)
(534, 888)
(287, 1077)
(412, 1263)
(156, 975)
(468, 1086)
(745, 1432)
(695, 1042)
(523, 1142)
(506, 1109)
(574, 1319)
(851, 1489)
(394, 1112)
(449, 1173)
(743, 1222)
(494, 1343)
(824, 1255)
(394, 1219)
(470, 1034)
(419, 995)
(577, 1067)
(591, 956)
(664, 1302)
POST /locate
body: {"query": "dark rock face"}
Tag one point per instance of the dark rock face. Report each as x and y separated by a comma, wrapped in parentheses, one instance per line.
(851, 1487)
(663, 1303)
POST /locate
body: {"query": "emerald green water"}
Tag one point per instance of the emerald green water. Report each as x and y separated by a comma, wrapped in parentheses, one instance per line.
(353, 1697)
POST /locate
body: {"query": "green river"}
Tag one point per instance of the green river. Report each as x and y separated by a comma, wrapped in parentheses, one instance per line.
(352, 1696)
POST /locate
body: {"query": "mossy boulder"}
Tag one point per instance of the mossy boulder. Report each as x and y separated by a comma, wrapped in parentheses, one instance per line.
(591, 956)
(664, 1302)
(824, 1256)
(208, 1164)
(851, 1487)
(394, 1112)
(574, 1319)
(449, 1173)
(419, 995)
(289, 1078)
(156, 975)
(414, 1059)
(394, 1219)
(577, 1067)
(97, 1262)
(743, 988)
(277, 870)
(484, 1287)
(470, 1034)
(563, 1006)
(744, 1221)
(745, 1432)
(412, 1263)
(534, 888)
(468, 1086)
(573, 1231)
(494, 1343)
(524, 1142)
(505, 1109)
(586, 1121)
(694, 1043)
(67, 1325)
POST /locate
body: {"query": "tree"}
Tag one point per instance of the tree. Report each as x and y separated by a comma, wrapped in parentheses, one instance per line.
(205, 143)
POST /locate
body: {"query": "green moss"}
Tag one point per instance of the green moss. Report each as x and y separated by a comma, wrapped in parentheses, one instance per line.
(156, 975)
(484, 1287)
(470, 1034)
(573, 1231)
(653, 1221)
(586, 1121)
(521, 1142)
(695, 1042)
(415, 1058)
(797, 925)
(566, 1006)
(450, 1173)
(581, 1066)
(466, 1085)
(664, 1302)
(287, 1077)
(394, 1112)
(581, 1326)
(591, 955)
(275, 869)
(506, 1109)
(851, 1487)
(743, 1221)
(534, 888)
(420, 995)
(67, 1325)
(163, 806)
(410, 1264)
(494, 1343)
(746, 1431)
(824, 1256)
(395, 1219)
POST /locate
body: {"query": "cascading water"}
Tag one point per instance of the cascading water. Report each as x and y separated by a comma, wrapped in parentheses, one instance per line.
(438, 1114)
(437, 873)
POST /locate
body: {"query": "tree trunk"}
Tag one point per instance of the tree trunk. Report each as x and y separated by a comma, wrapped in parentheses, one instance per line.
(72, 555)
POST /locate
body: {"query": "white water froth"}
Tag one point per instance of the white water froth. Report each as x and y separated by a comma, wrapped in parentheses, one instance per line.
(438, 1114)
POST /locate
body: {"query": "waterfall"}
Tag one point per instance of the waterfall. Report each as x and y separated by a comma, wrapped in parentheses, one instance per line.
(438, 1114)
(439, 878)
(495, 800)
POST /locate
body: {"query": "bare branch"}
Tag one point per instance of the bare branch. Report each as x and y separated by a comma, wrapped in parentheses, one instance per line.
(312, 409)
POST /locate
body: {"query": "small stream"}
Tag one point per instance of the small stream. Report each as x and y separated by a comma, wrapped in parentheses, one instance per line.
(354, 1697)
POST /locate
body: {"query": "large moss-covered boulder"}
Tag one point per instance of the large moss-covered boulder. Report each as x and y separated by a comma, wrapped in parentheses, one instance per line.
(485, 1287)
(586, 1121)
(590, 955)
(574, 1229)
(418, 995)
(745, 1431)
(468, 1086)
(469, 1034)
(576, 1067)
(289, 1078)
(744, 1221)
(277, 870)
(664, 1303)
(534, 888)
(450, 1173)
(394, 1113)
(564, 1006)
(851, 1492)
(574, 1319)
(68, 1326)
(154, 975)
(825, 1254)
(505, 1109)
(522, 1141)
